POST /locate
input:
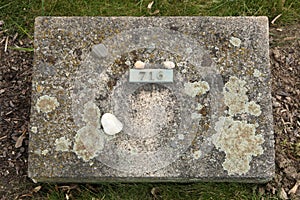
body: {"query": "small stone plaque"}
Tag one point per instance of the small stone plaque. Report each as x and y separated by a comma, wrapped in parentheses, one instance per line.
(150, 75)
(151, 99)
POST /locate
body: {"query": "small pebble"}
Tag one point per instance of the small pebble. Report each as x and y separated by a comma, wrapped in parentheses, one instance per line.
(169, 64)
(235, 41)
(111, 125)
(128, 63)
(139, 65)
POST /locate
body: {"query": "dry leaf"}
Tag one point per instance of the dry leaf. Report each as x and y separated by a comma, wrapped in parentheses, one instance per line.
(20, 140)
(155, 192)
(273, 21)
(261, 190)
(36, 189)
(283, 194)
(26, 195)
(294, 189)
(289, 38)
(150, 5)
(155, 12)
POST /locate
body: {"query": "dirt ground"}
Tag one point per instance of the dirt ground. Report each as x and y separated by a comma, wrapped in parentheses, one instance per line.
(15, 90)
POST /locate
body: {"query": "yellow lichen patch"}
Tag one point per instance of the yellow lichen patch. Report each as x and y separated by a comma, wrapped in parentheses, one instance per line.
(34, 129)
(46, 104)
(235, 95)
(236, 98)
(89, 141)
(196, 154)
(39, 88)
(239, 141)
(254, 108)
(196, 88)
(257, 73)
(62, 144)
(45, 152)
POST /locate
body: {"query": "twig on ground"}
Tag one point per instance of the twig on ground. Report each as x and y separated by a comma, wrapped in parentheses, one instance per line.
(273, 21)
(2, 40)
(2, 138)
(15, 36)
(6, 43)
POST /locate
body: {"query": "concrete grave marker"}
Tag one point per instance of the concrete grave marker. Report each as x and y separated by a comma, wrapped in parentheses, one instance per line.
(151, 99)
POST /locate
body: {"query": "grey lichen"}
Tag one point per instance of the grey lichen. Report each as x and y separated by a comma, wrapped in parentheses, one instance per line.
(196, 88)
(91, 114)
(235, 95)
(237, 138)
(199, 106)
(236, 98)
(89, 140)
(239, 141)
(63, 144)
(196, 154)
(46, 104)
(253, 108)
(257, 73)
(196, 115)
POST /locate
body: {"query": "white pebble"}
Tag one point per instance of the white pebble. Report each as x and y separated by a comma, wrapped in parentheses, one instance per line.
(128, 63)
(235, 41)
(139, 64)
(169, 64)
(111, 125)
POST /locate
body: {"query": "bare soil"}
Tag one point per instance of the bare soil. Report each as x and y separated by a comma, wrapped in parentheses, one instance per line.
(15, 91)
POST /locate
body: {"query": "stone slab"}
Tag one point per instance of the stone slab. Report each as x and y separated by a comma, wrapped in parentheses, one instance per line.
(212, 123)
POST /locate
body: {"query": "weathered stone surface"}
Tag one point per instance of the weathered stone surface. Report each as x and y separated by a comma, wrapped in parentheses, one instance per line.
(212, 122)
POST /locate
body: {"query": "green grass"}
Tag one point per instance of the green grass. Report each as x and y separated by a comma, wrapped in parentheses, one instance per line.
(164, 191)
(19, 15)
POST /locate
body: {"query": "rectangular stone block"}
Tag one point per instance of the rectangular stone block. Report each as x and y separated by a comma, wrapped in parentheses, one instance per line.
(212, 122)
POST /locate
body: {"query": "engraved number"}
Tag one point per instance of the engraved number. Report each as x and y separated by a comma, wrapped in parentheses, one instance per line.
(151, 76)
(160, 75)
(144, 76)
